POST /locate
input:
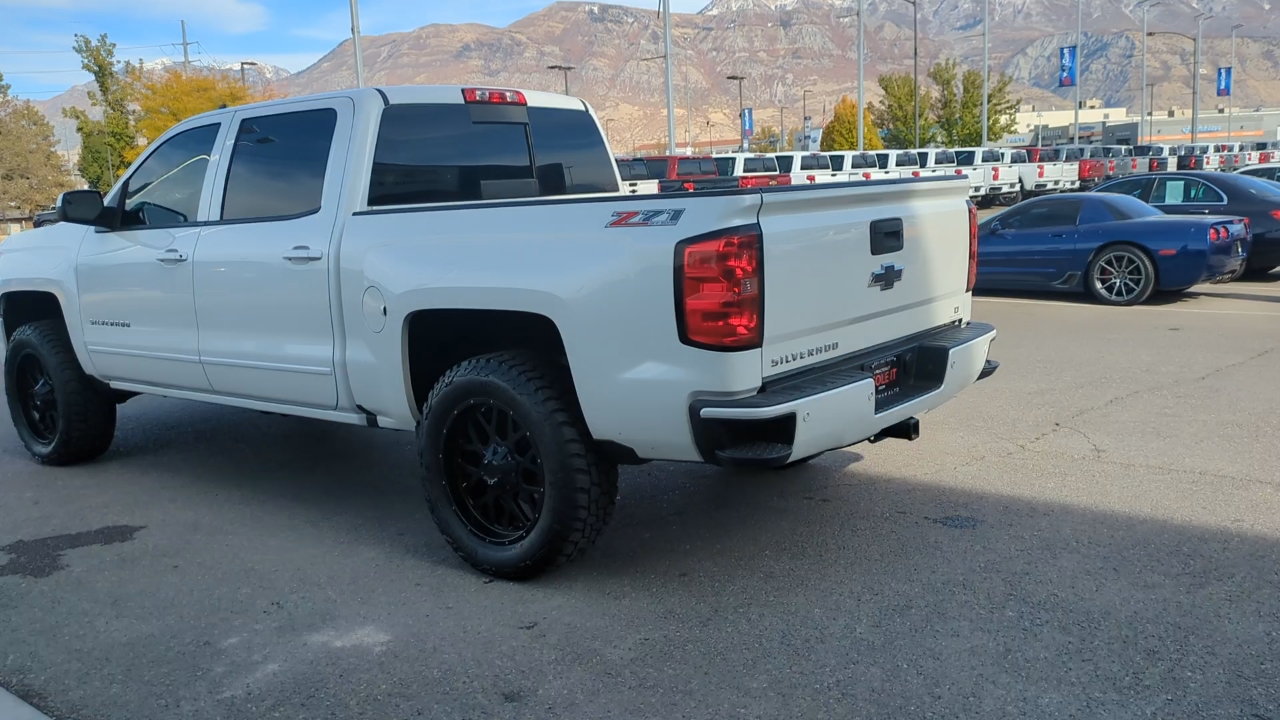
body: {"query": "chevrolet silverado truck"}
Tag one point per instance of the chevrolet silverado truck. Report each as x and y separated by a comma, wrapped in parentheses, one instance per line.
(991, 180)
(460, 263)
(1035, 178)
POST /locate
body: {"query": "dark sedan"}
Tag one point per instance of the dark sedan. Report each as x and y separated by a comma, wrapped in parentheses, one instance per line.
(1214, 193)
(1117, 248)
(1270, 171)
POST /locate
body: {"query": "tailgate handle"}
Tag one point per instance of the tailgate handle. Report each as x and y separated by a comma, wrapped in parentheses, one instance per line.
(886, 236)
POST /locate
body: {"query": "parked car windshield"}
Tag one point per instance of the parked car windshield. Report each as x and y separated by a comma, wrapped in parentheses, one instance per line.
(1126, 207)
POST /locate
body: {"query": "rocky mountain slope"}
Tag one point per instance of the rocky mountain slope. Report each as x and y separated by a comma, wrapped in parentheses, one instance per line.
(784, 47)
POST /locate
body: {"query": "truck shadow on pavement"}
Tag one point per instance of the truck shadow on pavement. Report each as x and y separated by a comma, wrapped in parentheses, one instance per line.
(783, 594)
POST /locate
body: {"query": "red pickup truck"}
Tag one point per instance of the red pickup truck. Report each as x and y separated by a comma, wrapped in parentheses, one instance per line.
(1093, 170)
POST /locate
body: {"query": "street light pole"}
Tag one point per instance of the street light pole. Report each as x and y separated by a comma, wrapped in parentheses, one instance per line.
(1151, 102)
(1079, 63)
(782, 125)
(355, 42)
(671, 96)
(1146, 5)
(1195, 78)
(742, 114)
(1231, 99)
(861, 58)
(243, 65)
(564, 69)
(986, 69)
(915, 52)
(804, 117)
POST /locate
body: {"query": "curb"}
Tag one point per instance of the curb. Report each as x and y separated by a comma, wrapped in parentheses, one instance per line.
(11, 708)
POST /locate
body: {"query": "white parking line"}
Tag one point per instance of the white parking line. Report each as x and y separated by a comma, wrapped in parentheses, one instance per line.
(1136, 307)
(11, 708)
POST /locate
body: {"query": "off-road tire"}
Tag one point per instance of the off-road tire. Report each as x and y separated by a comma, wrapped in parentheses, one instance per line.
(581, 489)
(86, 422)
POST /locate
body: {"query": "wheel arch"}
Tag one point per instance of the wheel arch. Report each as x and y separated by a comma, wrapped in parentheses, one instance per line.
(1155, 264)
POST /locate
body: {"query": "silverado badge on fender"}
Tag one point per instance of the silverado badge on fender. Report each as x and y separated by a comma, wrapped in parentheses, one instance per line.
(645, 218)
(886, 277)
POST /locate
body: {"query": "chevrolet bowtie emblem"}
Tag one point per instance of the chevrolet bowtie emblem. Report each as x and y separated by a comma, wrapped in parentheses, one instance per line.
(886, 277)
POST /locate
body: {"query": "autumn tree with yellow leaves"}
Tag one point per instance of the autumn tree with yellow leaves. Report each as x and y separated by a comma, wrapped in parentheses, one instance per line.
(164, 98)
(842, 132)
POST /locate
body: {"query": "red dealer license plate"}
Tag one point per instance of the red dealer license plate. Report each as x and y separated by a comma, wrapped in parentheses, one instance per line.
(888, 374)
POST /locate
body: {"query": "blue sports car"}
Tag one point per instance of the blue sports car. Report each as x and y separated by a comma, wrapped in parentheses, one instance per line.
(1115, 247)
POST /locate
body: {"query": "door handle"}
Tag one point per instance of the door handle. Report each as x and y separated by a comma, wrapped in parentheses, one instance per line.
(302, 254)
(171, 257)
(1199, 212)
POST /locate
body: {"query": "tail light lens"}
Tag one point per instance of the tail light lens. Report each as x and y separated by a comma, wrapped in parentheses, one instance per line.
(688, 186)
(866, 176)
(959, 171)
(1040, 171)
(492, 96)
(1134, 165)
(973, 247)
(995, 173)
(1154, 165)
(1275, 214)
(811, 178)
(1111, 166)
(1214, 235)
(915, 173)
(719, 290)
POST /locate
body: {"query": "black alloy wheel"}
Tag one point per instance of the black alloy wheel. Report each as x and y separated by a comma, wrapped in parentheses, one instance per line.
(496, 477)
(36, 399)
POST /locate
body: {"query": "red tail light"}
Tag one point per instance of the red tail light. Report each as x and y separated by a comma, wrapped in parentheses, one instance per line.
(494, 97)
(973, 247)
(1275, 214)
(959, 171)
(866, 176)
(811, 178)
(1214, 235)
(995, 173)
(915, 173)
(688, 186)
(1111, 166)
(1040, 171)
(1154, 166)
(1134, 166)
(719, 290)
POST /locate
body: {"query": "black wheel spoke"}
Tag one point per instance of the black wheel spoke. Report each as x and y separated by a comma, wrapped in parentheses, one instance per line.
(496, 478)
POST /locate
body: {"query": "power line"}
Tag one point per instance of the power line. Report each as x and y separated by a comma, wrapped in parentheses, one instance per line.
(72, 52)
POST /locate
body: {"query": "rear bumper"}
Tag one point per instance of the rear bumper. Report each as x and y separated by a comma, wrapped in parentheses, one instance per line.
(835, 406)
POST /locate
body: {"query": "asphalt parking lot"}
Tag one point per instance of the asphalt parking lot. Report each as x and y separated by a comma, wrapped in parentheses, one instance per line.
(1093, 532)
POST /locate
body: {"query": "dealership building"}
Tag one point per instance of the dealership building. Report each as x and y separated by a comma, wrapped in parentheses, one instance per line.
(1115, 126)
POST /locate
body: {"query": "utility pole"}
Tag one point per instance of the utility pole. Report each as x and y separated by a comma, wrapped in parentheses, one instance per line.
(1151, 102)
(804, 118)
(861, 61)
(1146, 5)
(355, 42)
(986, 69)
(1195, 78)
(915, 51)
(742, 113)
(186, 53)
(782, 125)
(1231, 99)
(671, 100)
(1079, 63)
(564, 69)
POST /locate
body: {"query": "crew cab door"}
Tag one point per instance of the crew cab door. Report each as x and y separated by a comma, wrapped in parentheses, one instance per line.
(136, 289)
(263, 263)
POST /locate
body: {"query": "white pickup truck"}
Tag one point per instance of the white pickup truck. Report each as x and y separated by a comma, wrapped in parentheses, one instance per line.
(461, 263)
(855, 166)
(1034, 178)
(991, 179)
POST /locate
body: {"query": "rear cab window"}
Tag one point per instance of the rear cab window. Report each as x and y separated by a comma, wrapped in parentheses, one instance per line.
(695, 167)
(815, 162)
(784, 163)
(759, 165)
(837, 162)
(724, 166)
(445, 153)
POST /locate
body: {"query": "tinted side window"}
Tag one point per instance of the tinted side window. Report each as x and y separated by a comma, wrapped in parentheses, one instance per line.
(278, 164)
(1051, 214)
(882, 161)
(724, 166)
(1182, 191)
(815, 162)
(1133, 187)
(837, 162)
(944, 157)
(658, 169)
(784, 163)
(571, 154)
(966, 158)
(435, 154)
(908, 160)
(759, 165)
(691, 168)
(1018, 157)
(991, 156)
(167, 187)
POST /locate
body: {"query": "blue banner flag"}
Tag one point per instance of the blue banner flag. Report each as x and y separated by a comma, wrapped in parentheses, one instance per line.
(1067, 66)
(748, 123)
(1224, 82)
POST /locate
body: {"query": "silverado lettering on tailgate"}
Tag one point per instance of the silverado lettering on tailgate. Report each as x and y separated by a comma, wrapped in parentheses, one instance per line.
(803, 354)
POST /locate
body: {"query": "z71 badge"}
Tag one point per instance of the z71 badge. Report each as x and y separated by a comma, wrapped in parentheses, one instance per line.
(645, 218)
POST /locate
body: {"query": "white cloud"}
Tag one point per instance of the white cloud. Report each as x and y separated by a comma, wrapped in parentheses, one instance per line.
(232, 16)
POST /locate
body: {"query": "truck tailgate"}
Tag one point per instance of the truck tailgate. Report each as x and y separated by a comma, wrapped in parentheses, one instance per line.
(832, 289)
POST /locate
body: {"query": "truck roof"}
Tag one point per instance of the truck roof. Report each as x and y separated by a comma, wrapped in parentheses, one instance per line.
(415, 94)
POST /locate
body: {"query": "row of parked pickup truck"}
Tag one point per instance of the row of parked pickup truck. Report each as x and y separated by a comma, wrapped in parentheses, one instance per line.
(1003, 176)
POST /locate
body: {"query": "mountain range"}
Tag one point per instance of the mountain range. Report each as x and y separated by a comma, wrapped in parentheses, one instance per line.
(787, 47)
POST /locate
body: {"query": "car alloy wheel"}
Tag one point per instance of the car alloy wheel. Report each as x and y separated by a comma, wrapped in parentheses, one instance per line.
(1119, 276)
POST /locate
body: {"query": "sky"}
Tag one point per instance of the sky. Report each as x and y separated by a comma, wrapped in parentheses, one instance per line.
(36, 35)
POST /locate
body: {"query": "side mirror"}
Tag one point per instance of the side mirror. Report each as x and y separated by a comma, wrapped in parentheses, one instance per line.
(80, 207)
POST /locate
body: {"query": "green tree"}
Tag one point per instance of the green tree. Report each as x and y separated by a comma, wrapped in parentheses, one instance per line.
(842, 132)
(956, 109)
(105, 143)
(895, 113)
(766, 139)
(32, 173)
